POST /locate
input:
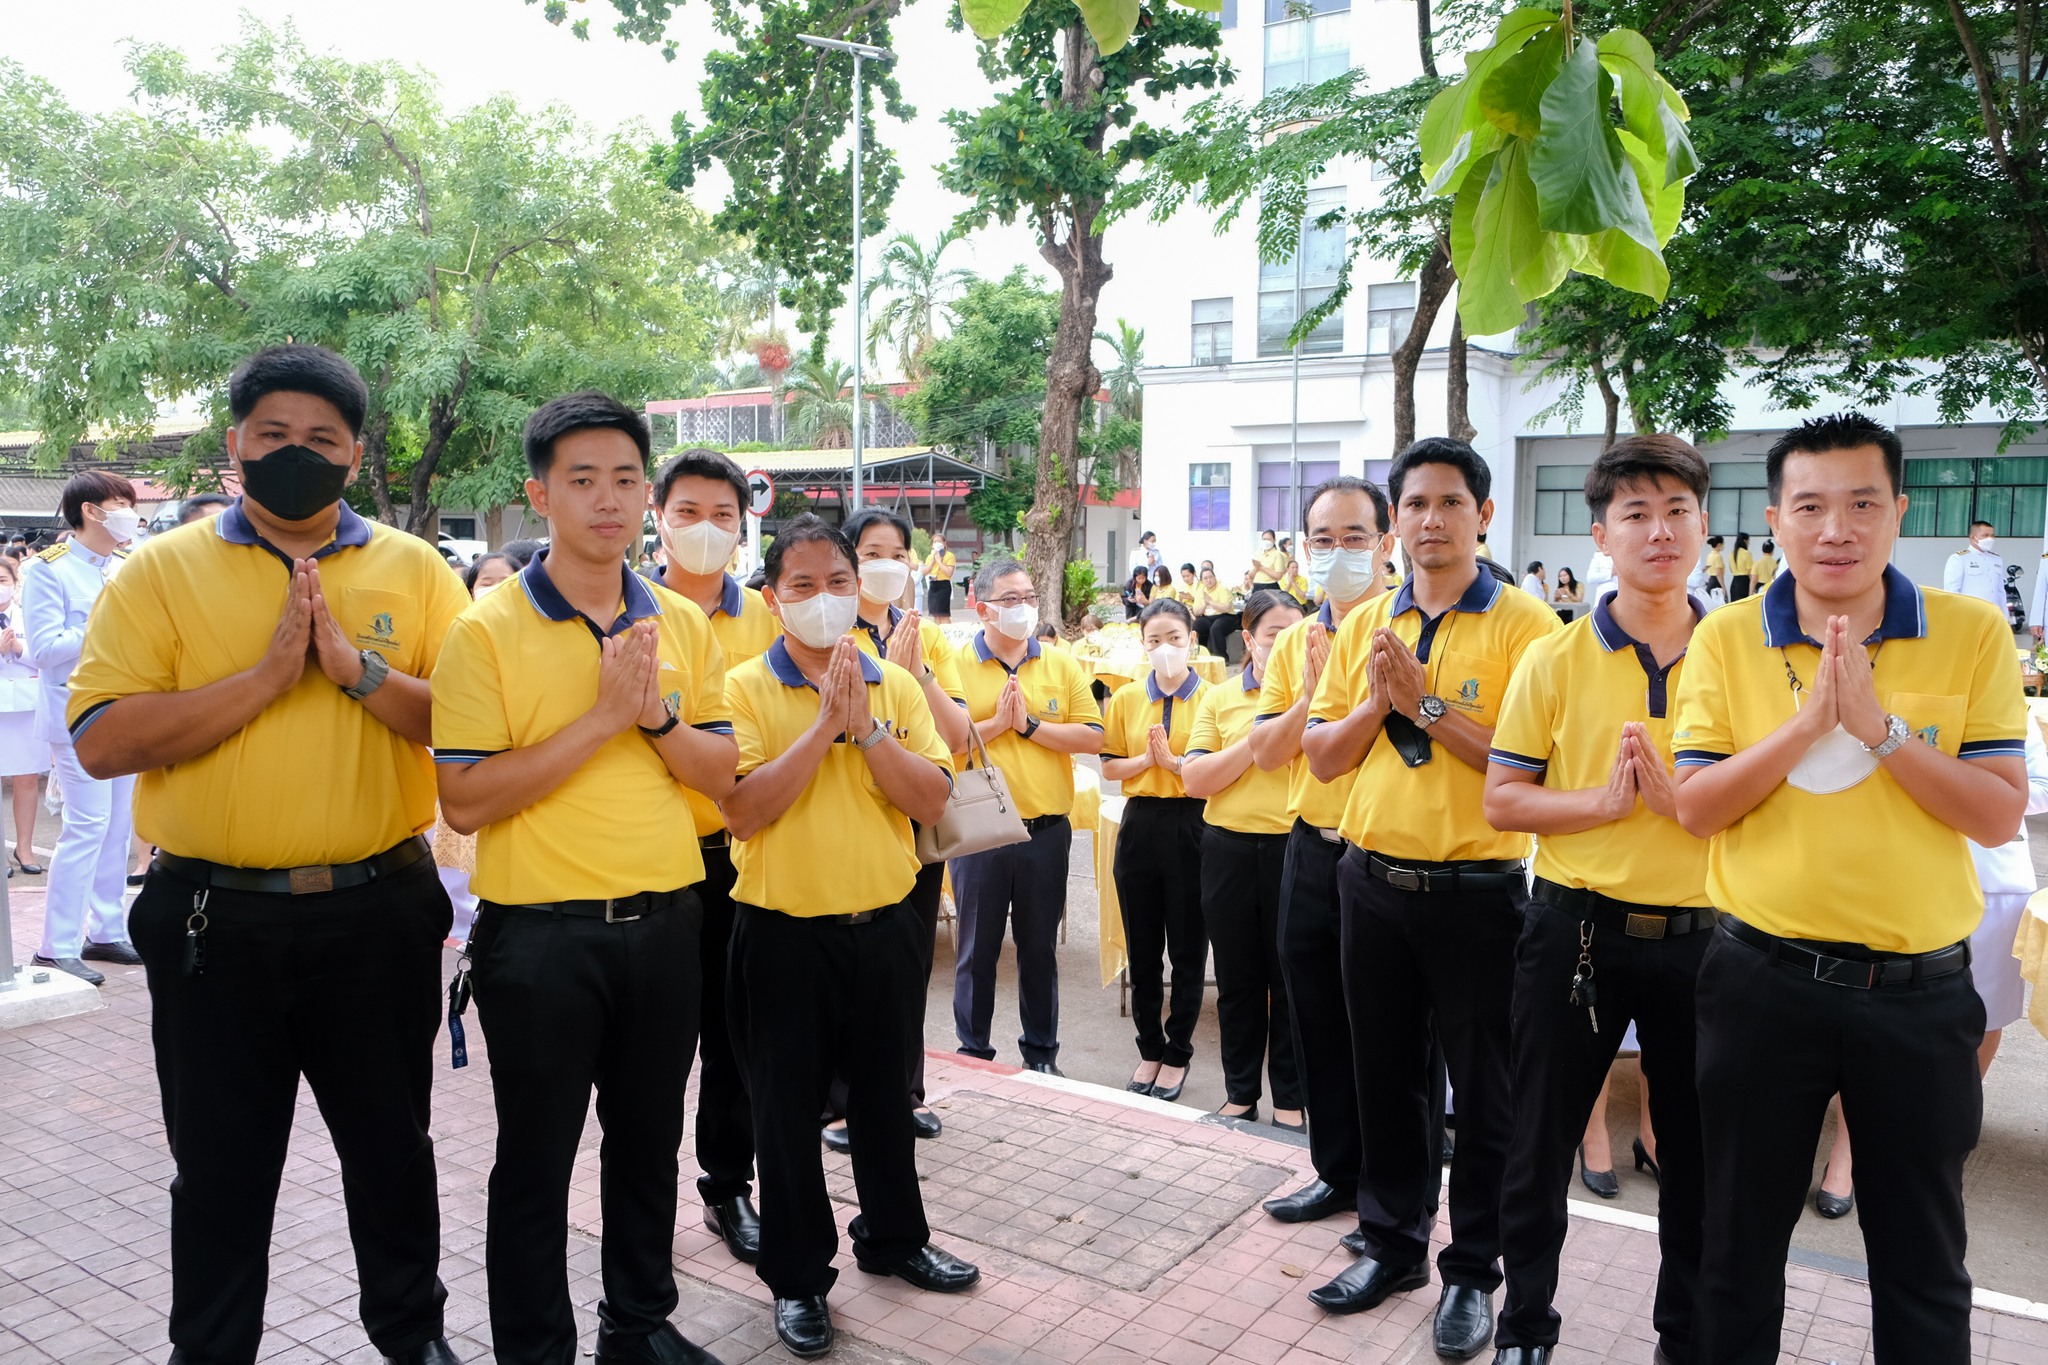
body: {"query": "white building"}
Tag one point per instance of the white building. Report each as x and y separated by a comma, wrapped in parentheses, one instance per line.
(1225, 419)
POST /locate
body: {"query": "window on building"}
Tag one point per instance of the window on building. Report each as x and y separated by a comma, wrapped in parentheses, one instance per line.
(1389, 313)
(1280, 498)
(1561, 500)
(1944, 496)
(1212, 341)
(1307, 42)
(1209, 497)
(1229, 15)
(1290, 289)
(1736, 501)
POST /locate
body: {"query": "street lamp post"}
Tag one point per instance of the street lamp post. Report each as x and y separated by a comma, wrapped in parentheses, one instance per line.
(861, 52)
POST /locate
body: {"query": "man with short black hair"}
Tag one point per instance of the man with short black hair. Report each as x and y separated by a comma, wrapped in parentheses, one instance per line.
(570, 719)
(84, 917)
(1847, 711)
(202, 505)
(266, 676)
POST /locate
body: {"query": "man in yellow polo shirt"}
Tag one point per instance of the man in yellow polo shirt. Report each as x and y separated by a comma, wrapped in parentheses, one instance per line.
(1034, 710)
(1840, 740)
(838, 754)
(265, 673)
(571, 714)
(1431, 895)
(1581, 759)
(700, 500)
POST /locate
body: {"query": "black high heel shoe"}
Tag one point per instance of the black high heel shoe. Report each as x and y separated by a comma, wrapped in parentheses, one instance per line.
(1601, 1183)
(26, 869)
(1832, 1205)
(1646, 1162)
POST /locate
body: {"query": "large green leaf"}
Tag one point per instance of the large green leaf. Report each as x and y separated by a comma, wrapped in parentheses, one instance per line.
(1473, 146)
(1583, 184)
(1110, 22)
(1664, 199)
(1493, 241)
(1680, 160)
(1622, 261)
(1511, 98)
(1456, 109)
(1442, 127)
(1650, 108)
(988, 18)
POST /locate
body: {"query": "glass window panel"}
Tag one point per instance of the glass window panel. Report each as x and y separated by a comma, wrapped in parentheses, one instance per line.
(1566, 476)
(1273, 473)
(1329, 47)
(1229, 18)
(2029, 511)
(1211, 343)
(1272, 505)
(2016, 470)
(1549, 514)
(1754, 501)
(1286, 55)
(1919, 518)
(1940, 473)
(1291, 11)
(1213, 310)
(1738, 474)
(1995, 506)
(1952, 512)
(1327, 338)
(1276, 320)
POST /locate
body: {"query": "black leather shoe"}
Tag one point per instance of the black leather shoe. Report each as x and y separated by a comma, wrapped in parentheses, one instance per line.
(1601, 1183)
(663, 1346)
(1312, 1201)
(1464, 1322)
(805, 1326)
(838, 1140)
(1048, 1069)
(1522, 1355)
(70, 966)
(1160, 1092)
(734, 1220)
(435, 1352)
(1658, 1356)
(927, 1268)
(925, 1123)
(1353, 1242)
(120, 951)
(1367, 1284)
(1834, 1205)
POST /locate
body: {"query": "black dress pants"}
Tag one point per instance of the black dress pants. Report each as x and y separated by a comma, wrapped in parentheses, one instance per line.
(1411, 957)
(725, 1125)
(344, 988)
(1023, 886)
(1158, 875)
(1312, 963)
(1560, 1063)
(1241, 906)
(1215, 632)
(1774, 1045)
(569, 1003)
(923, 901)
(809, 996)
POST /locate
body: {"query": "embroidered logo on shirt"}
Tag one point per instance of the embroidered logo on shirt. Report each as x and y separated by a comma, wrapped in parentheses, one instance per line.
(1468, 692)
(1052, 706)
(382, 632)
(1932, 734)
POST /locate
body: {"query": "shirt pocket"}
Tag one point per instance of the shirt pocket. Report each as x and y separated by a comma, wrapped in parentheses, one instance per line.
(1934, 717)
(383, 620)
(1471, 685)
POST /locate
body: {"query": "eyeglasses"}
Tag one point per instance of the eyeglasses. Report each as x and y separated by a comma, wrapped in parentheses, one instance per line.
(1325, 544)
(1029, 600)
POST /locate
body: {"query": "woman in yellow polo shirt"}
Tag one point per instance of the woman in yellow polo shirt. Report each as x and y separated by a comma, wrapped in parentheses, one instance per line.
(938, 569)
(1159, 853)
(1269, 564)
(1215, 612)
(1742, 570)
(1244, 850)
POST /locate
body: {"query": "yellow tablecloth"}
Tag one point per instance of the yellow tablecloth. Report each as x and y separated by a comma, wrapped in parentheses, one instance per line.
(1109, 925)
(2030, 946)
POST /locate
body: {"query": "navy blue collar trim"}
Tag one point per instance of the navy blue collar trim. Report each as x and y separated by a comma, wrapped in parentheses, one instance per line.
(1183, 692)
(1251, 683)
(732, 599)
(1482, 593)
(875, 631)
(1613, 637)
(547, 599)
(1905, 612)
(1327, 614)
(789, 675)
(986, 655)
(350, 532)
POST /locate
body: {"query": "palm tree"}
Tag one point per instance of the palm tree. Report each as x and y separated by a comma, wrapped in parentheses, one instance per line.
(821, 403)
(1127, 357)
(749, 291)
(920, 293)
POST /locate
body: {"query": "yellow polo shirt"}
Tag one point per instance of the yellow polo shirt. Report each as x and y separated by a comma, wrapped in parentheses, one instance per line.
(1766, 569)
(1056, 692)
(314, 778)
(840, 848)
(938, 650)
(1562, 721)
(1257, 802)
(1744, 563)
(1432, 813)
(744, 628)
(1866, 865)
(1133, 710)
(1271, 564)
(1717, 565)
(1317, 803)
(518, 667)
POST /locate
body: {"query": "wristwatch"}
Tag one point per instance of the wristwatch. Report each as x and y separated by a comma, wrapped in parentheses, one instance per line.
(375, 670)
(874, 737)
(675, 718)
(1030, 726)
(1430, 710)
(1896, 732)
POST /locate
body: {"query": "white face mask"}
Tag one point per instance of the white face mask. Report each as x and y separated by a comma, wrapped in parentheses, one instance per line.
(883, 580)
(1019, 622)
(701, 547)
(1346, 575)
(1836, 762)
(1988, 544)
(1169, 661)
(6, 595)
(122, 523)
(820, 620)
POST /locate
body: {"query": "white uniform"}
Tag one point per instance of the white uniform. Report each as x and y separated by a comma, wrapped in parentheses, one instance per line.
(89, 872)
(1976, 573)
(1599, 575)
(21, 753)
(2007, 875)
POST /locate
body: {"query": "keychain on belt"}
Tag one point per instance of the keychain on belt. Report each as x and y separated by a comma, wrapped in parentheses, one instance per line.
(1584, 993)
(195, 935)
(458, 1002)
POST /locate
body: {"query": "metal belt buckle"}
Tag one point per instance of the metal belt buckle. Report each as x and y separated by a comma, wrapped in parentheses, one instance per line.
(612, 918)
(307, 881)
(1330, 836)
(1406, 878)
(1831, 976)
(1646, 926)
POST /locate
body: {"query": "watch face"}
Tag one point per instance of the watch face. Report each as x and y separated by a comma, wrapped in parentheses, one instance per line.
(1434, 707)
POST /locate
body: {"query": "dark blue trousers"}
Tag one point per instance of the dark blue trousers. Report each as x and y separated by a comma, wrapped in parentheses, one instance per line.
(1024, 885)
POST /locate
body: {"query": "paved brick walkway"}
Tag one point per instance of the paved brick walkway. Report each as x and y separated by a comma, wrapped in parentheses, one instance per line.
(1108, 1229)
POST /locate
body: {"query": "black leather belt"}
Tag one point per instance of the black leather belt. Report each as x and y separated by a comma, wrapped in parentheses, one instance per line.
(1484, 874)
(717, 838)
(1887, 969)
(858, 917)
(1039, 822)
(1623, 917)
(296, 881)
(617, 910)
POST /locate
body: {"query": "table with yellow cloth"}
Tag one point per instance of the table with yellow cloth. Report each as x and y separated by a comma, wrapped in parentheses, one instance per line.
(1109, 924)
(1116, 655)
(2030, 944)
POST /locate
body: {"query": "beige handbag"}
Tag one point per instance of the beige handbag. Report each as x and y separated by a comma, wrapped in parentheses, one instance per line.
(979, 814)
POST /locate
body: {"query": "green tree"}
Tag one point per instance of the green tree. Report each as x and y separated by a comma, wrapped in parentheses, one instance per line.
(1117, 434)
(920, 292)
(985, 383)
(821, 403)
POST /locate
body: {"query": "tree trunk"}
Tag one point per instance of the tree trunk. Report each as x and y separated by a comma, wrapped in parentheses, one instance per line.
(1071, 379)
(376, 439)
(494, 526)
(1431, 289)
(442, 419)
(1610, 401)
(1458, 387)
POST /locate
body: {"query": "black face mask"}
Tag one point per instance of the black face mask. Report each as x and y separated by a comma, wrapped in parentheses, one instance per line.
(293, 483)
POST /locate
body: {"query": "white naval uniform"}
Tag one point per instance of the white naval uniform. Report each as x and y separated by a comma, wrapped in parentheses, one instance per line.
(89, 872)
(1975, 573)
(2007, 875)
